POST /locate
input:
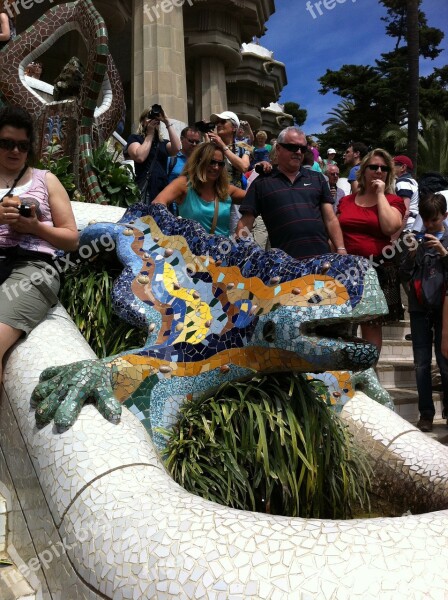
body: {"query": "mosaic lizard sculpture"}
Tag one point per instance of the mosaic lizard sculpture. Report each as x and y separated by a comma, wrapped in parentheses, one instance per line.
(128, 530)
(215, 311)
(77, 124)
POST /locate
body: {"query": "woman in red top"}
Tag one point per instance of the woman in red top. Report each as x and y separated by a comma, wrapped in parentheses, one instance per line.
(368, 219)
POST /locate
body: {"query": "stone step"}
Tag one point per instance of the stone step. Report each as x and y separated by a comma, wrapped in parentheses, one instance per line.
(13, 586)
(396, 349)
(396, 331)
(396, 373)
(406, 402)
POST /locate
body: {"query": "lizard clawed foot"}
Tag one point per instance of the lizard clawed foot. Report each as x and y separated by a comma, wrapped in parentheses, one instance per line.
(62, 392)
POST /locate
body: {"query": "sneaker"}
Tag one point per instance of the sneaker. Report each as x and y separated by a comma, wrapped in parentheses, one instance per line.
(424, 424)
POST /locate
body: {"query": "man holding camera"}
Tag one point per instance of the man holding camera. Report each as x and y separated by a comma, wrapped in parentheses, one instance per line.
(295, 203)
(150, 153)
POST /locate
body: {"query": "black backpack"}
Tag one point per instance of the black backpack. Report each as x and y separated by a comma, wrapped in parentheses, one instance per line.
(429, 279)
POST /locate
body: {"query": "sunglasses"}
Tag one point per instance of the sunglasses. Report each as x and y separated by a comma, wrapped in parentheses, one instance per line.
(22, 146)
(383, 168)
(217, 163)
(294, 147)
(193, 142)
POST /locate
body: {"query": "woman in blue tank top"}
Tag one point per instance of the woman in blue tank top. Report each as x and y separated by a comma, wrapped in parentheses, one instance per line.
(203, 192)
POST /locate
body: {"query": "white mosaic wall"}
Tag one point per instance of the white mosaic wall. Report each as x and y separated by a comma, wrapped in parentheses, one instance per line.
(131, 532)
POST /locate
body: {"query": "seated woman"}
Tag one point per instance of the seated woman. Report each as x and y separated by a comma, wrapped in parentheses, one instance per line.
(150, 153)
(368, 219)
(203, 192)
(28, 243)
(7, 22)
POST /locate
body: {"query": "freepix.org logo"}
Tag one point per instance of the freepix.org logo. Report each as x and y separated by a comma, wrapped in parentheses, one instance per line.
(15, 8)
(315, 8)
(153, 11)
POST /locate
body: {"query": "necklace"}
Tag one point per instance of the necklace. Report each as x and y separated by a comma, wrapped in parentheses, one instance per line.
(14, 178)
(15, 182)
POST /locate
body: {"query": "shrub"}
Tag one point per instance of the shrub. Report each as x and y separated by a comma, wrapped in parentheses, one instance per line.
(115, 179)
(270, 445)
(86, 295)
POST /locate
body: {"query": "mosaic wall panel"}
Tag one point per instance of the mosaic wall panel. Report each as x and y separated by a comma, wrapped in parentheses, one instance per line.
(63, 119)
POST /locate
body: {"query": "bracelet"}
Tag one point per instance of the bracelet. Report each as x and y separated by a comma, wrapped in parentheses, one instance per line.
(341, 248)
(169, 125)
(226, 148)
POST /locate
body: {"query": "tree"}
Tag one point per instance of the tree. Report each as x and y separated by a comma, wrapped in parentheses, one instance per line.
(381, 93)
(299, 114)
(413, 55)
(432, 142)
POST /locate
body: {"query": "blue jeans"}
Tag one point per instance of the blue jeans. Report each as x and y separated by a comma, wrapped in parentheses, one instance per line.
(424, 327)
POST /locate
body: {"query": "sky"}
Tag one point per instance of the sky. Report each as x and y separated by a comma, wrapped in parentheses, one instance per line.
(350, 33)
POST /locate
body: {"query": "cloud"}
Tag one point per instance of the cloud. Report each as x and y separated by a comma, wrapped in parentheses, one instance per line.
(351, 33)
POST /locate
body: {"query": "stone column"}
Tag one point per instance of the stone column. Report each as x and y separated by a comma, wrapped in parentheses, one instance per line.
(158, 61)
(210, 87)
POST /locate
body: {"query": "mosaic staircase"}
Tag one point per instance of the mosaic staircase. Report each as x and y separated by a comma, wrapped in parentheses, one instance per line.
(396, 372)
(13, 586)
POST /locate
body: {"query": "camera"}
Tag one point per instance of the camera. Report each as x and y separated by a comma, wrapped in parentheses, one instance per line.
(420, 237)
(155, 112)
(24, 210)
(205, 126)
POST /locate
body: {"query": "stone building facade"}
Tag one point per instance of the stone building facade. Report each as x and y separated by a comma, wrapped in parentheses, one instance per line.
(194, 57)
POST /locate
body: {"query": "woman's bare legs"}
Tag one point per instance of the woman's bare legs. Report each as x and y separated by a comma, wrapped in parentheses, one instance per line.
(8, 337)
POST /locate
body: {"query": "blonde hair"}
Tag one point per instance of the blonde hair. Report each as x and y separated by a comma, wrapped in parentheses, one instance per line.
(196, 167)
(390, 178)
(142, 119)
(262, 134)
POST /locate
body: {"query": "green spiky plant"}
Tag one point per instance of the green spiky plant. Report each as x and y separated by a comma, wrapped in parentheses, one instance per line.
(59, 165)
(115, 179)
(86, 295)
(270, 445)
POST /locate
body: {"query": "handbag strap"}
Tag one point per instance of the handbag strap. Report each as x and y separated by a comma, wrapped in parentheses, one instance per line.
(215, 216)
(149, 173)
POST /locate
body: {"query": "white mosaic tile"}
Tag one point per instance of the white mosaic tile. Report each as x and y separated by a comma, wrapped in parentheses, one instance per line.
(129, 528)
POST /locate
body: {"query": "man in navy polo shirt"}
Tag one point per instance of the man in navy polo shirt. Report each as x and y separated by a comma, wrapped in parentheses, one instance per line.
(295, 203)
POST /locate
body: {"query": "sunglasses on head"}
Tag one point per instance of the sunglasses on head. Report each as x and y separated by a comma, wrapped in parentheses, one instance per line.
(294, 147)
(22, 146)
(217, 163)
(383, 168)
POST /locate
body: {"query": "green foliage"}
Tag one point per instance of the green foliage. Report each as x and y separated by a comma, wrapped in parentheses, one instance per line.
(115, 179)
(432, 143)
(299, 114)
(269, 445)
(380, 93)
(86, 295)
(61, 166)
